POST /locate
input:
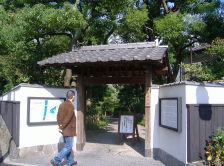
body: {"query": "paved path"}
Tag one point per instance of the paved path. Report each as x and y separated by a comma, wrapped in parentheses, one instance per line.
(101, 150)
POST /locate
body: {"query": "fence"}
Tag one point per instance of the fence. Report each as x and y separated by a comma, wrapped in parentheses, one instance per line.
(10, 111)
(203, 121)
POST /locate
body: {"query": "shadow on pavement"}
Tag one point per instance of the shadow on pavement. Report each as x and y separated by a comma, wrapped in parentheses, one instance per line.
(139, 146)
(109, 135)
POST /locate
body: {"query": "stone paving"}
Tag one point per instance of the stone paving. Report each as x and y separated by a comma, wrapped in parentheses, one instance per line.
(101, 149)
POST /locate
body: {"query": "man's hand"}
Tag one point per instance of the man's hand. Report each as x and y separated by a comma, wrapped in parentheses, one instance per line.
(60, 130)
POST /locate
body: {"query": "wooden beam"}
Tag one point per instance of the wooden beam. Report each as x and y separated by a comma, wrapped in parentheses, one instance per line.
(148, 84)
(108, 72)
(162, 71)
(114, 80)
(80, 114)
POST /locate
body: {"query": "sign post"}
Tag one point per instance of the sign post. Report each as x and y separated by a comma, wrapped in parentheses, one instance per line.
(127, 126)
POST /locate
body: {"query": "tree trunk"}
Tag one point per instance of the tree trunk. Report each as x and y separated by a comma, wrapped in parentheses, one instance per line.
(176, 67)
(165, 6)
(68, 77)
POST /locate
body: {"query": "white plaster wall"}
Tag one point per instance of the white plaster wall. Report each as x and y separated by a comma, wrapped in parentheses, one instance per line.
(41, 134)
(204, 94)
(10, 96)
(154, 116)
(172, 142)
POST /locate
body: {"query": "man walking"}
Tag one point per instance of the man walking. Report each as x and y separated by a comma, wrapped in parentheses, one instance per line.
(67, 126)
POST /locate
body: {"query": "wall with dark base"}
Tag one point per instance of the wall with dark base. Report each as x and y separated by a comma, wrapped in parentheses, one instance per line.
(167, 159)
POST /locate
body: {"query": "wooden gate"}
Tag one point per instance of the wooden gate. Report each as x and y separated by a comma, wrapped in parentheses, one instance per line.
(203, 121)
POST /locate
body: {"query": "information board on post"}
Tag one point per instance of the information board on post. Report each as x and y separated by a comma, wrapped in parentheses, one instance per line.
(170, 113)
(42, 110)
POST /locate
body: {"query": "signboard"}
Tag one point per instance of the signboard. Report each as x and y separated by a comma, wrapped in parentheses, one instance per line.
(42, 110)
(170, 113)
(126, 124)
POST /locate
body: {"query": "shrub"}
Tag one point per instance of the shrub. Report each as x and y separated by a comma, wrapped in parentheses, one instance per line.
(97, 124)
(214, 149)
(142, 122)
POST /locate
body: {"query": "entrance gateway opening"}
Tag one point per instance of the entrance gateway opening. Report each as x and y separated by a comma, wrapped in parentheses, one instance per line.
(132, 63)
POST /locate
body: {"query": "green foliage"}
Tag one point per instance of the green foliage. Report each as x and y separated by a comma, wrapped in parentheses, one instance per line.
(214, 149)
(197, 72)
(32, 30)
(216, 50)
(210, 70)
(103, 19)
(186, 23)
(131, 98)
(114, 100)
(171, 27)
(102, 100)
(41, 20)
(30, 34)
(133, 24)
(101, 124)
(141, 122)
(200, 6)
(178, 29)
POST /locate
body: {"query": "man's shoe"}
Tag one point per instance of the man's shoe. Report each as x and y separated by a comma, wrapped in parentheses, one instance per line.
(74, 163)
(54, 163)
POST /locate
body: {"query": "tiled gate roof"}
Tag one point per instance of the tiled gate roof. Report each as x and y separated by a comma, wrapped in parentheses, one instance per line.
(109, 53)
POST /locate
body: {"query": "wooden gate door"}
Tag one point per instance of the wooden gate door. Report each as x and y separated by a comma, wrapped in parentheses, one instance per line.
(203, 121)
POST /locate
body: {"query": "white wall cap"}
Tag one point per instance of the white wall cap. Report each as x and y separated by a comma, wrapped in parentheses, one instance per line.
(208, 84)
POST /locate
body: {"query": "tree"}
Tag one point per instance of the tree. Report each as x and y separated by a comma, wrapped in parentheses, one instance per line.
(212, 68)
(181, 24)
(216, 51)
(131, 98)
(133, 24)
(180, 32)
(101, 102)
(33, 30)
(45, 28)
(33, 33)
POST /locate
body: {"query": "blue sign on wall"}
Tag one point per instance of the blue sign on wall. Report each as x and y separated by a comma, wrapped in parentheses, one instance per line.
(43, 110)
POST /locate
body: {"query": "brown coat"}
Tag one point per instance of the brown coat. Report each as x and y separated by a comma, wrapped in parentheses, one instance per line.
(66, 119)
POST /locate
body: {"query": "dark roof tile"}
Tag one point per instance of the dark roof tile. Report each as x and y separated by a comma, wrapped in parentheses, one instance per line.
(106, 53)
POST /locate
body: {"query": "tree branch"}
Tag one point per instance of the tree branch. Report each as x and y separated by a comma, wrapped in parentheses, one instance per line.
(165, 6)
(188, 45)
(149, 29)
(108, 35)
(77, 3)
(56, 34)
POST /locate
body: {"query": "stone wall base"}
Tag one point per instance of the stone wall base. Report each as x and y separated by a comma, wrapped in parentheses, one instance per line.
(41, 150)
(167, 159)
(8, 147)
(38, 150)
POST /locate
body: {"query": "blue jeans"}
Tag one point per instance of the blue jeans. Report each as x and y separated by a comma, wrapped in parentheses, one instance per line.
(66, 151)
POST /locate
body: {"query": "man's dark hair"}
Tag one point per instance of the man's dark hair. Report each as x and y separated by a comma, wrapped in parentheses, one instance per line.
(70, 94)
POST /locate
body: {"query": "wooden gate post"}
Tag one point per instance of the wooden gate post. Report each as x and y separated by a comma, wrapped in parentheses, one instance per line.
(148, 84)
(80, 114)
